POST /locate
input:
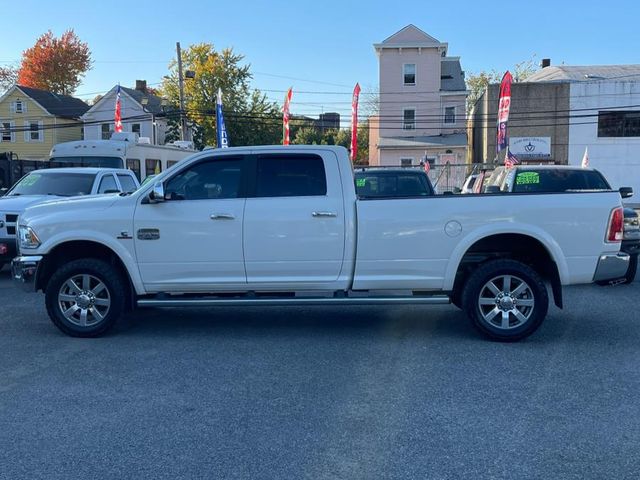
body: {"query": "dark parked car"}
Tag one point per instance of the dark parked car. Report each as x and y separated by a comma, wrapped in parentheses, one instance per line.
(392, 183)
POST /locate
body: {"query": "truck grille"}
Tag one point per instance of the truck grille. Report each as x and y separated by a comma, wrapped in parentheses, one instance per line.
(11, 221)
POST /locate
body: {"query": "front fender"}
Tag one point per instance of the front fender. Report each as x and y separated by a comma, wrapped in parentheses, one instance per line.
(125, 255)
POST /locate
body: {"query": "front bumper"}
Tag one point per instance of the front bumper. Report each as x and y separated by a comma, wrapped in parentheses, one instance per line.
(611, 266)
(7, 249)
(24, 271)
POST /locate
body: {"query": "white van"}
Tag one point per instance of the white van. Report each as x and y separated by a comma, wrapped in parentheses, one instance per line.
(123, 150)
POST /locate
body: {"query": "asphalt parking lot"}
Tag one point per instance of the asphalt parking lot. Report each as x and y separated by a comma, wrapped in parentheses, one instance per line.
(357, 392)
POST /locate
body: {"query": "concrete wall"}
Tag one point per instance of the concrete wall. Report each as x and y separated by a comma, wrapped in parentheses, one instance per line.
(537, 110)
(617, 158)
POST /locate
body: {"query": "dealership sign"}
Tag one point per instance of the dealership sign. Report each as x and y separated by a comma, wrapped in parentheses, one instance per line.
(530, 147)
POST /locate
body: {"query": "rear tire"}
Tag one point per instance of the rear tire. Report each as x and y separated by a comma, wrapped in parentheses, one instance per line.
(505, 300)
(85, 298)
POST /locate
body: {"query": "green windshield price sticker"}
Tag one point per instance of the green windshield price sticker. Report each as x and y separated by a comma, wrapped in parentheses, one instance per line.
(527, 178)
(361, 182)
(29, 180)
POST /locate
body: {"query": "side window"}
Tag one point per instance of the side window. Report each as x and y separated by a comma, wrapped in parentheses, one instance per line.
(108, 185)
(290, 176)
(153, 166)
(127, 183)
(133, 164)
(212, 179)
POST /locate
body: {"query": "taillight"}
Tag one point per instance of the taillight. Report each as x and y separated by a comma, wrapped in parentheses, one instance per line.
(616, 226)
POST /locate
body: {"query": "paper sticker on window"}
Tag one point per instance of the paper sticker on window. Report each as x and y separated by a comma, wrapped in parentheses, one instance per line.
(361, 182)
(527, 178)
(29, 180)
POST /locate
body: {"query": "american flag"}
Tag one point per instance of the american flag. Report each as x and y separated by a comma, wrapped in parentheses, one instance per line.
(118, 116)
(510, 159)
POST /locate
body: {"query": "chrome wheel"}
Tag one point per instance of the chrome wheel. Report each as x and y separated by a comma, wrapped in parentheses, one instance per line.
(84, 300)
(506, 302)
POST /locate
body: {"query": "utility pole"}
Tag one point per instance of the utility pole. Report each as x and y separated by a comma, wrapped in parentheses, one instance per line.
(183, 118)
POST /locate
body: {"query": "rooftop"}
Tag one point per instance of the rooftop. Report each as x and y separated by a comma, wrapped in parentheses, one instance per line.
(58, 105)
(566, 73)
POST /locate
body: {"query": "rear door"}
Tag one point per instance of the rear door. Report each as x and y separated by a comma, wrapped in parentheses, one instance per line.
(294, 223)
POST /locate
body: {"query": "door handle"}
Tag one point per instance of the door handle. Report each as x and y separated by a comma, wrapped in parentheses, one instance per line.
(324, 214)
(222, 216)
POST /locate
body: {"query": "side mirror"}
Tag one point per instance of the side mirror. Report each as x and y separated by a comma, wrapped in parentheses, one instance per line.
(626, 192)
(157, 193)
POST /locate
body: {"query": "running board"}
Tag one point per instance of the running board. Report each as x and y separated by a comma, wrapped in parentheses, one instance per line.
(259, 302)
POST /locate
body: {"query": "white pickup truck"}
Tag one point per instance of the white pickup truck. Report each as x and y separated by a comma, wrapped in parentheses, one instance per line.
(284, 225)
(44, 185)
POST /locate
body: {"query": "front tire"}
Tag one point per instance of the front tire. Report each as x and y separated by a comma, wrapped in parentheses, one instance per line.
(505, 300)
(85, 298)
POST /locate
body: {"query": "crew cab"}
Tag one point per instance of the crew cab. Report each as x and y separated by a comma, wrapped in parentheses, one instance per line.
(54, 183)
(278, 225)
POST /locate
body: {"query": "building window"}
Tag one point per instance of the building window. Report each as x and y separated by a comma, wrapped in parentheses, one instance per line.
(7, 134)
(449, 114)
(135, 128)
(33, 132)
(409, 119)
(19, 106)
(409, 73)
(619, 124)
(406, 162)
(106, 131)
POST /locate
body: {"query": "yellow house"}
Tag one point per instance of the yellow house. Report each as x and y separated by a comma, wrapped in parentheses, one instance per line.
(32, 121)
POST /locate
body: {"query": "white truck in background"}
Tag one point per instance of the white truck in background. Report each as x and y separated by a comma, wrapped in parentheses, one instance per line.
(123, 150)
(280, 225)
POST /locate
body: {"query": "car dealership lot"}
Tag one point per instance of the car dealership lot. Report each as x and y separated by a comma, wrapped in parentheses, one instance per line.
(316, 392)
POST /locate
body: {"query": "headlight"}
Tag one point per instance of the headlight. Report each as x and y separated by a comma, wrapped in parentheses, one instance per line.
(27, 237)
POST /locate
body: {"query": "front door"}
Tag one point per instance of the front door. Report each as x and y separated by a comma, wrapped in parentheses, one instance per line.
(193, 240)
(294, 224)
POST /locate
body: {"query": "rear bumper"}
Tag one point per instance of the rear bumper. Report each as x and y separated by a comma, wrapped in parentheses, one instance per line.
(611, 266)
(7, 249)
(631, 246)
(24, 271)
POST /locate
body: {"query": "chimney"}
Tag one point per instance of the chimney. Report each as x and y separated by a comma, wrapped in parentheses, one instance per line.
(141, 85)
(546, 62)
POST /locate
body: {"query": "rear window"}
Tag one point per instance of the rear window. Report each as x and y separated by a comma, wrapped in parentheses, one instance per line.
(392, 184)
(560, 180)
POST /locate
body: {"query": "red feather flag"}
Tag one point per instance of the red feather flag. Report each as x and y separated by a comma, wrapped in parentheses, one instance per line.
(354, 122)
(285, 117)
(118, 115)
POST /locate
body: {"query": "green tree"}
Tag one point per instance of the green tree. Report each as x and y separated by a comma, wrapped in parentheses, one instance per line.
(478, 82)
(250, 119)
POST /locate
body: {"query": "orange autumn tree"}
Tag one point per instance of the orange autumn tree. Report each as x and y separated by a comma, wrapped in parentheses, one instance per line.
(55, 64)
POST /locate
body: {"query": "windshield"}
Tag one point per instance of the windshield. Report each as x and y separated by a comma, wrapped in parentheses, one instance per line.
(98, 162)
(54, 183)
